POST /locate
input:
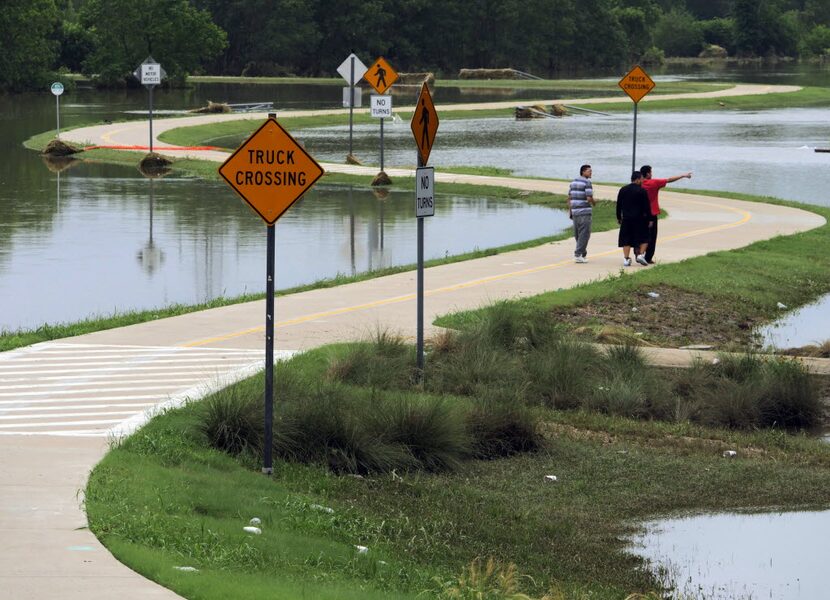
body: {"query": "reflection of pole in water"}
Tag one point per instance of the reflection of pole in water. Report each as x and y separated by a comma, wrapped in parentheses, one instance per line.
(351, 229)
(59, 192)
(150, 256)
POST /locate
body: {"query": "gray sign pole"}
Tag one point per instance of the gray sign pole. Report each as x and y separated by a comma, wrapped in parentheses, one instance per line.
(58, 112)
(150, 88)
(351, 104)
(634, 148)
(268, 466)
(420, 287)
(381, 142)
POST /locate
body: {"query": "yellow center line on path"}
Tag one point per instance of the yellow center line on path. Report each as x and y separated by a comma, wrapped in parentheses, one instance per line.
(746, 216)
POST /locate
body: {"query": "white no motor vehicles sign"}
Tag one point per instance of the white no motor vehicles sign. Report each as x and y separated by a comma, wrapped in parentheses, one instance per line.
(381, 106)
(425, 192)
(150, 74)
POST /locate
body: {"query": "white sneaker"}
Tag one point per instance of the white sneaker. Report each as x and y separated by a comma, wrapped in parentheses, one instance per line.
(626, 262)
(580, 260)
(642, 260)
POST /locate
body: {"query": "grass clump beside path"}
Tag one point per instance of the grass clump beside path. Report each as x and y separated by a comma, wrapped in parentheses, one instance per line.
(444, 524)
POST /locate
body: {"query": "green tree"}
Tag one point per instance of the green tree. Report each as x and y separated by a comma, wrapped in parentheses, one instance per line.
(29, 51)
(678, 34)
(637, 31)
(817, 42)
(265, 34)
(125, 32)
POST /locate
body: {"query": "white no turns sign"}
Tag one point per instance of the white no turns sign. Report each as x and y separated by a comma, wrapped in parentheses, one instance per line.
(425, 192)
(381, 106)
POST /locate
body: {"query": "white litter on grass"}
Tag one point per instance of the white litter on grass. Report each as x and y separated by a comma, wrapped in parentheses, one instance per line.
(635, 309)
(187, 569)
(321, 508)
(255, 522)
(254, 530)
(653, 295)
(730, 454)
(715, 361)
(551, 478)
(361, 549)
(781, 305)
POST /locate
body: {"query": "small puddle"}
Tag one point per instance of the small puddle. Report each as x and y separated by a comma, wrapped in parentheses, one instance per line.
(775, 556)
(805, 326)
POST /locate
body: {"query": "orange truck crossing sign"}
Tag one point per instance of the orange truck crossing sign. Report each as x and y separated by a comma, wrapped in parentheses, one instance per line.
(381, 75)
(636, 83)
(270, 171)
(424, 124)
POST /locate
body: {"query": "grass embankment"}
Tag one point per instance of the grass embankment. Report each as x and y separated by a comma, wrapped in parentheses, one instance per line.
(165, 498)
(717, 299)
(594, 85)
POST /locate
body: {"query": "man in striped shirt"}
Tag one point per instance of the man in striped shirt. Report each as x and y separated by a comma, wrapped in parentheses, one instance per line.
(580, 207)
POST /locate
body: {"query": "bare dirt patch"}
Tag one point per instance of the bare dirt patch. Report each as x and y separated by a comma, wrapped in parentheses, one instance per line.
(673, 318)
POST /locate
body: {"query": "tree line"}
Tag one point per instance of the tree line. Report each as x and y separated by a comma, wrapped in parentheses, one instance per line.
(107, 39)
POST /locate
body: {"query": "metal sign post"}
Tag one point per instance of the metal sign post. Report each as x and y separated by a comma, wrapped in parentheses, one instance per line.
(636, 83)
(381, 76)
(57, 90)
(381, 107)
(424, 126)
(352, 70)
(270, 171)
(150, 74)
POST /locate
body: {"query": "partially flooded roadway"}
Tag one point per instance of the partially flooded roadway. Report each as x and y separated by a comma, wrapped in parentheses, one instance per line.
(61, 401)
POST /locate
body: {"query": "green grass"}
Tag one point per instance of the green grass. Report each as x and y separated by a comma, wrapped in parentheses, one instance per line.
(732, 291)
(674, 87)
(163, 498)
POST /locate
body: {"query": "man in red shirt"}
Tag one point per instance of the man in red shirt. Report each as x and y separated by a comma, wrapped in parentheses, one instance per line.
(652, 188)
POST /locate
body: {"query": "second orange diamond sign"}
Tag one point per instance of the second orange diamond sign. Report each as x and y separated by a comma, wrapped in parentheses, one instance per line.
(270, 171)
(424, 124)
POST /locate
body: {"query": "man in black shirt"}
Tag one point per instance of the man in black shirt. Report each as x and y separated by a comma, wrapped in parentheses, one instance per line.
(633, 212)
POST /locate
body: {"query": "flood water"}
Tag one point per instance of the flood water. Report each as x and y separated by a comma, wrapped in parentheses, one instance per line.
(809, 325)
(98, 239)
(102, 239)
(766, 153)
(775, 556)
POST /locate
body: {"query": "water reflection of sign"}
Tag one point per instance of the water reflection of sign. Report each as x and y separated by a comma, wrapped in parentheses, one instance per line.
(270, 171)
(424, 124)
(425, 192)
(636, 84)
(381, 106)
(381, 75)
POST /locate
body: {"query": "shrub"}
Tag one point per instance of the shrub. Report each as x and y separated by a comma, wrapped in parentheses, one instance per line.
(498, 430)
(232, 421)
(386, 363)
(429, 431)
(788, 396)
(560, 375)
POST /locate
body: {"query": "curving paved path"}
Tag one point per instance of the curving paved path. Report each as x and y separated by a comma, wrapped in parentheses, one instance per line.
(59, 400)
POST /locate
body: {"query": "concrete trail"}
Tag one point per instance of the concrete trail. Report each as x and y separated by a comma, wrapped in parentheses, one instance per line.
(59, 400)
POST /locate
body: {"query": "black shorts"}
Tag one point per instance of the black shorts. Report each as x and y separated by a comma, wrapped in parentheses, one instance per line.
(633, 232)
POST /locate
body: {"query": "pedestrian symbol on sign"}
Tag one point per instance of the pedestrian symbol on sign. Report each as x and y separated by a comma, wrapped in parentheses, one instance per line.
(424, 124)
(381, 75)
